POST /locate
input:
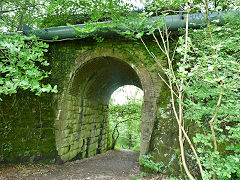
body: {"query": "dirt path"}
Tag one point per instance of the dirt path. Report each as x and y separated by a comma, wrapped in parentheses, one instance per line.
(115, 164)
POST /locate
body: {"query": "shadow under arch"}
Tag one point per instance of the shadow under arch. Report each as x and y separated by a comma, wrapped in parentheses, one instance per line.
(81, 122)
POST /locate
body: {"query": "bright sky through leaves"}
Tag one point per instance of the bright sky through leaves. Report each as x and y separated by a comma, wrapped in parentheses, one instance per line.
(126, 93)
(138, 3)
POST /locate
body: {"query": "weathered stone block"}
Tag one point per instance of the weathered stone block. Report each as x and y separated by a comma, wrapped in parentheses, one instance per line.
(87, 111)
(84, 154)
(83, 127)
(93, 147)
(76, 127)
(65, 157)
(74, 136)
(66, 141)
(63, 150)
(67, 132)
(92, 153)
(85, 119)
(85, 103)
(92, 133)
(69, 105)
(98, 125)
(99, 118)
(87, 133)
(75, 145)
(97, 132)
(93, 140)
(83, 133)
(92, 119)
(80, 143)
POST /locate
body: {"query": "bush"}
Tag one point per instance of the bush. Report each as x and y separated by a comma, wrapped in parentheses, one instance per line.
(149, 165)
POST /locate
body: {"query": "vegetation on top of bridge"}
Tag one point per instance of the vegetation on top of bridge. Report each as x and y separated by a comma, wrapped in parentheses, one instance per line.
(28, 73)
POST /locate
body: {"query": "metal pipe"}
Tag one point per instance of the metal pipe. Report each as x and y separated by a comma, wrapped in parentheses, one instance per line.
(172, 22)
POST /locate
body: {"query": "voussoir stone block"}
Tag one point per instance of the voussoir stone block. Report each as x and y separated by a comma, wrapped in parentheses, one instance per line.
(63, 150)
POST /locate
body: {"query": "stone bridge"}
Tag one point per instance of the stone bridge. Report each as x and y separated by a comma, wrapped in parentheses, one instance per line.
(73, 123)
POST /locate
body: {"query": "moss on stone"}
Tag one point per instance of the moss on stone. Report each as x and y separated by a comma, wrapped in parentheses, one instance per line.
(25, 128)
(82, 126)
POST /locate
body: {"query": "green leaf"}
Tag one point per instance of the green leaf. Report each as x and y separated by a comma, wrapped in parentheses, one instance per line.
(139, 35)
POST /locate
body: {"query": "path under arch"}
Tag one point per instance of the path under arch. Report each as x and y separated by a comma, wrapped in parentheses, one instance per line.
(114, 164)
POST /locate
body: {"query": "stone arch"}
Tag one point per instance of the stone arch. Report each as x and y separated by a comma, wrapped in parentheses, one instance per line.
(81, 127)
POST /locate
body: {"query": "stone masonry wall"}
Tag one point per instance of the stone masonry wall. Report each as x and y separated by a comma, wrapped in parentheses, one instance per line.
(27, 128)
(85, 130)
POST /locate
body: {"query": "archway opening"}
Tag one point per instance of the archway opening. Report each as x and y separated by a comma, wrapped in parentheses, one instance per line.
(125, 117)
(82, 123)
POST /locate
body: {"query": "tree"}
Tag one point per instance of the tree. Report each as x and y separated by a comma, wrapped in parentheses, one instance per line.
(22, 63)
(125, 117)
(125, 123)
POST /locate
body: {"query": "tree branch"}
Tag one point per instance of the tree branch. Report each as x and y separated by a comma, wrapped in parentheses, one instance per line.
(116, 129)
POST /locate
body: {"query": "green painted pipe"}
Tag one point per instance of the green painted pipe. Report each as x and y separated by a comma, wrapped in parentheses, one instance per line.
(173, 22)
